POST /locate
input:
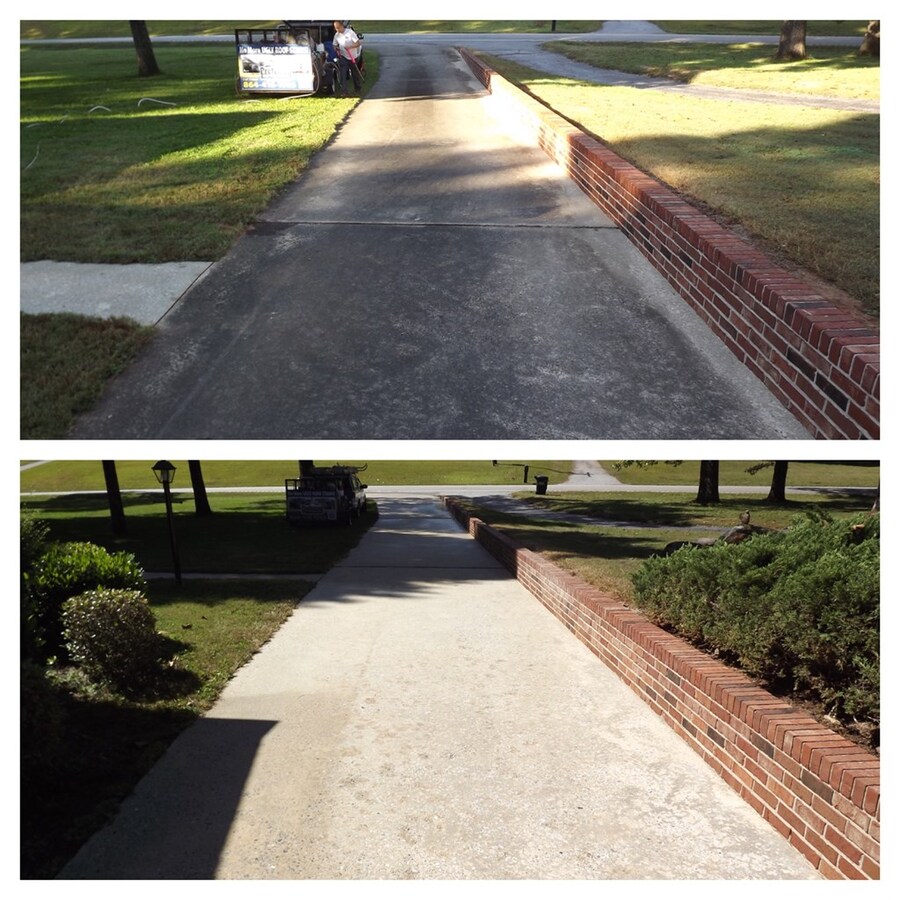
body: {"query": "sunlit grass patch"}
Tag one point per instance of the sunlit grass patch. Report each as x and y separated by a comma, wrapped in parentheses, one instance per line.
(803, 182)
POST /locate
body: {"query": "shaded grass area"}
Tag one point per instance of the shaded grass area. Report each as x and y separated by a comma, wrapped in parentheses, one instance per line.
(66, 360)
(120, 169)
(106, 742)
(87, 475)
(827, 72)
(815, 27)
(247, 533)
(734, 472)
(802, 183)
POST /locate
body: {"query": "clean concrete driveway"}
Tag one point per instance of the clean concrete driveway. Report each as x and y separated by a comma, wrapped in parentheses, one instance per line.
(422, 716)
(431, 278)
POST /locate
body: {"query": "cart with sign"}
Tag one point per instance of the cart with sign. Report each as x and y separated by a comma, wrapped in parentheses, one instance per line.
(281, 60)
(287, 59)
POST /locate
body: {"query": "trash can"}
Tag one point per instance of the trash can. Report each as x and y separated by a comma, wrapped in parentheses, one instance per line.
(541, 481)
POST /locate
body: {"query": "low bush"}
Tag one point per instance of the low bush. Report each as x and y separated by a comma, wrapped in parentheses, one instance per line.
(798, 609)
(112, 636)
(65, 570)
(33, 534)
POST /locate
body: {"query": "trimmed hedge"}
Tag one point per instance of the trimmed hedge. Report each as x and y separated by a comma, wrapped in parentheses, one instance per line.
(798, 609)
(112, 636)
(65, 570)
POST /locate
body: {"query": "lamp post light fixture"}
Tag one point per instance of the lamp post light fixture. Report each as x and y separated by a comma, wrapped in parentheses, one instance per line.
(165, 475)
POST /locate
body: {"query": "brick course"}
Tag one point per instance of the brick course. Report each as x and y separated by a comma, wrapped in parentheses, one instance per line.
(821, 362)
(819, 790)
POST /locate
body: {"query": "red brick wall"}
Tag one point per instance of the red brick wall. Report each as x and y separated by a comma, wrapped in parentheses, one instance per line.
(819, 790)
(821, 362)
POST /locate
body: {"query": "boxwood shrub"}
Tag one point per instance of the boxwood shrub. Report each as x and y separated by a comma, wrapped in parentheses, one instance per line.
(798, 609)
(67, 569)
(112, 636)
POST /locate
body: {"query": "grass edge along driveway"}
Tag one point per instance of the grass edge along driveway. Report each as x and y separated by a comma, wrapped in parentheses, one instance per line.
(803, 183)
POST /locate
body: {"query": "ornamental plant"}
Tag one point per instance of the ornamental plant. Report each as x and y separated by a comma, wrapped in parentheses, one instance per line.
(71, 568)
(111, 634)
(798, 609)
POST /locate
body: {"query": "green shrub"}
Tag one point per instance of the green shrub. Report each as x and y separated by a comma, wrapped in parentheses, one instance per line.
(33, 534)
(112, 636)
(799, 609)
(68, 569)
(32, 544)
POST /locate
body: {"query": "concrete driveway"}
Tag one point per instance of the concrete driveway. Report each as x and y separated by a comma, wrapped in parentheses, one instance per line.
(431, 278)
(422, 716)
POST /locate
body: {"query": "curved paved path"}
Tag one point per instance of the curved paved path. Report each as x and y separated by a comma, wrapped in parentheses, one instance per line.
(431, 278)
(422, 716)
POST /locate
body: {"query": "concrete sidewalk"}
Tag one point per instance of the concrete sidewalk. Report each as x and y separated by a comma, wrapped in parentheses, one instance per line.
(142, 292)
(422, 716)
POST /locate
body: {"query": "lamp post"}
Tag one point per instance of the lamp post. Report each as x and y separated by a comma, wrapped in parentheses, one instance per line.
(165, 475)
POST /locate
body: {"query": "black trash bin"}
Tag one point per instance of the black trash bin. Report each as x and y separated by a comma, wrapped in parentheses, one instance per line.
(542, 481)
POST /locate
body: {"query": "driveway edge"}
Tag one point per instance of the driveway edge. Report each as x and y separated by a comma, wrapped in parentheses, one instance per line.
(818, 790)
(820, 361)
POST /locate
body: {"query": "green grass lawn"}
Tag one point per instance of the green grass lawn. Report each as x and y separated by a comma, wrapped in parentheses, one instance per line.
(109, 175)
(827, 72)
(815, 27)
(734, 472)
(65, 361)
(803, 183)
(87, 475)
(74, 29)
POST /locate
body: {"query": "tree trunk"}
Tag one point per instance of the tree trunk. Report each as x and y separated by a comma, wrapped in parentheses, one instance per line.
(778, 489)
(114, 497)
(201, 503)
(792, 43)
(708, 489)
(871, 45)
(146, 58)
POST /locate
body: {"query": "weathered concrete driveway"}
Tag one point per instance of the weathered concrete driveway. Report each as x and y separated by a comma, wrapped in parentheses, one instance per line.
(422, 716)
(431, 278)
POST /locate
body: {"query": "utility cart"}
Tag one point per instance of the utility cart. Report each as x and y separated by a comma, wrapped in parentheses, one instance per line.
(325, 495)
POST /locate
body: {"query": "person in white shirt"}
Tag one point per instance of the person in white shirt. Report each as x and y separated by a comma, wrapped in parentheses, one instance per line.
(347, 46)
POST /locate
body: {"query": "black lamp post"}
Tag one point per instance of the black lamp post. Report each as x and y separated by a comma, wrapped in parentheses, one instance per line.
(165, 475)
